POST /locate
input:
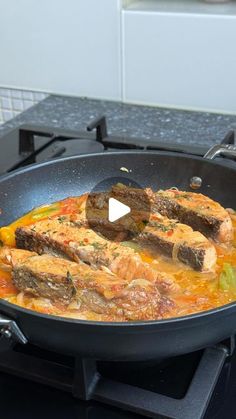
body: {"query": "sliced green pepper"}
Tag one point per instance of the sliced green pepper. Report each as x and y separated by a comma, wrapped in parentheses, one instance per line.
(45, 212)
(227, 280)
(132, 245)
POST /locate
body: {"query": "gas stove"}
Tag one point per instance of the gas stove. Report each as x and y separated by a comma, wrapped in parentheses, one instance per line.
(37, 383)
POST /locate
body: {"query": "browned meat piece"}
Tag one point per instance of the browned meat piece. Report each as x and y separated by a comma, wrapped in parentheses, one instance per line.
(196, 210)
(98, 290)
(138, 199)
(125, 228)
(139, 300)
(165, 235)
(178, 241)
(10, 257)
(39, 276)
(65, 238)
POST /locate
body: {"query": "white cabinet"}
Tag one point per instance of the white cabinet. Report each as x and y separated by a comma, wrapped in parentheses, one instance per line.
(176, 53)
(70, 47)
(179, 59)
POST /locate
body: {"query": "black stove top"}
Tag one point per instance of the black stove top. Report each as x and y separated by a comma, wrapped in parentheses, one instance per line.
(35, 383)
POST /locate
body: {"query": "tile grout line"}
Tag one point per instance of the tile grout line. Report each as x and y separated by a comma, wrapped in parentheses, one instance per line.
(14, 101)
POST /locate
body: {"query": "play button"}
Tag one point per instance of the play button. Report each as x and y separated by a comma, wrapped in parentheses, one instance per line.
(117, 209)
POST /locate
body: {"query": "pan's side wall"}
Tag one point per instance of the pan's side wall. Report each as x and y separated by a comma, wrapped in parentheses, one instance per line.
(40, 184)
(123, 342)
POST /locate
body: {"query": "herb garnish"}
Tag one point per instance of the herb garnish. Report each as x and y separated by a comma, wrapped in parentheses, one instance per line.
(98, 245)
(69, 276)
(183, 195)
(61, 218)
(115, 255)
(162, 227)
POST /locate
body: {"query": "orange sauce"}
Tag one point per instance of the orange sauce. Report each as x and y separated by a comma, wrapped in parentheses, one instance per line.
(199, 291)
(6, 286)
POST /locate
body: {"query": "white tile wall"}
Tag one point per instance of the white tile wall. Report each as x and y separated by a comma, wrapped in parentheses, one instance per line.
(65, 47)
(15, 101)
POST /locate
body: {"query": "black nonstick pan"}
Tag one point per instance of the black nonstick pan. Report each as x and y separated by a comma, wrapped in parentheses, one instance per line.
(30, 187)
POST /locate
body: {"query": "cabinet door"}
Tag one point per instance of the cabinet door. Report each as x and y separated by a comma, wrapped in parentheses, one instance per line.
(61, 46)
(180, 60)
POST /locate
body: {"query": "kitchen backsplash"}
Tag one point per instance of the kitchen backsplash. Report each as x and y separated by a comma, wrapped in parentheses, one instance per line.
(15, 101)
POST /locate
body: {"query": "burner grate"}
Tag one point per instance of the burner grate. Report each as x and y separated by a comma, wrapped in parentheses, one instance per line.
(84, 379)
(30, 144)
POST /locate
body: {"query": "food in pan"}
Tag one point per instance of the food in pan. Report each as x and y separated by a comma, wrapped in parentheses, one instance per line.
(196, 210)
(162, 235)
(183, 261)
(61, 237)
(99, 290)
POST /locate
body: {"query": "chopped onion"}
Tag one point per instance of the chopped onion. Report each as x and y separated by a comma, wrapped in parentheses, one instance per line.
(106, 269)
(74, 305)
(230, 210)
(5, 268)
(139, 282)
(20, 298)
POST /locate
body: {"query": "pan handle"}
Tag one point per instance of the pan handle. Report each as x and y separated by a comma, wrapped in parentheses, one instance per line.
(10, 333)
(227, 150)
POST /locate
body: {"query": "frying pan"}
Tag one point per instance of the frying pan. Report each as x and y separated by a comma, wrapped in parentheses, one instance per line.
(35, 185)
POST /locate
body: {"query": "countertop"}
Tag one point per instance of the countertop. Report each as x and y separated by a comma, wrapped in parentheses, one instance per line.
(144, 122)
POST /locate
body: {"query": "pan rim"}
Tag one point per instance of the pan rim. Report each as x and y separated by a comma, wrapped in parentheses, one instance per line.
(35, 166)
(168, 321)
(161, 322)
